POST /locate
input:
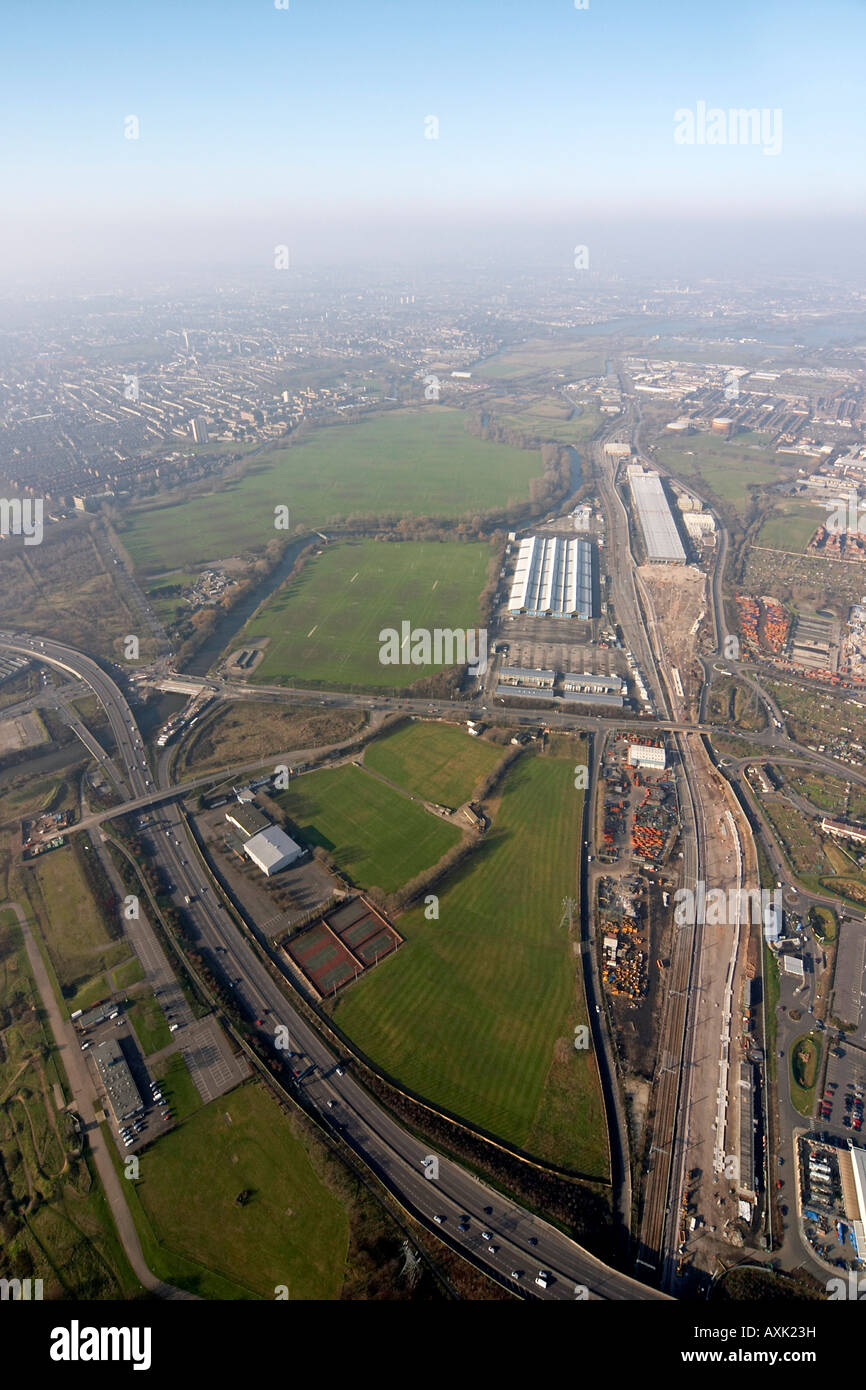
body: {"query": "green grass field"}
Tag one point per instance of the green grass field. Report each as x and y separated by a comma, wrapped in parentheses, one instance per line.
(824, 923)
(791, 526)
(150, 1026)
(128, 974)
(380, 838)
(575, 360)
(177, 1086)
(291, 1231)
(554, 419)
(729, 468)
(75, 939)
(438, 762)
(323, 627)
(419, 462)
(477, 1010)
(805, 1058)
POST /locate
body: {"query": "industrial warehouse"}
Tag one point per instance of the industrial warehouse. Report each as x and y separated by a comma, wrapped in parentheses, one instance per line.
(661, 538)
(553, 578)
(577, 687)
(583, 688)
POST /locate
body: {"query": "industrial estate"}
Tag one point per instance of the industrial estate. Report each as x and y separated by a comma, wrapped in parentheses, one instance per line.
(308, 876)
(433, 790)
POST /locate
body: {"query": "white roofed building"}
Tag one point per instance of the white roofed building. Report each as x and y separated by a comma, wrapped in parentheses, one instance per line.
(661, 538)
(272, 850)
(773, 923)
(553, 578)
(644, 755)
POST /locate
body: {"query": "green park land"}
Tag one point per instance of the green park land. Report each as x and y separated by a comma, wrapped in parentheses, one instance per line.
(418, 462)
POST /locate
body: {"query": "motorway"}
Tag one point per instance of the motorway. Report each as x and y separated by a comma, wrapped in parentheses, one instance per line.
(521, 1241)
(341, 1103)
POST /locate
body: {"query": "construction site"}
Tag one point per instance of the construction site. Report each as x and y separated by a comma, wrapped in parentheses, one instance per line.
(724, 1200)
(44, 833)
(674, 600)
(637, 830)
(640, 816)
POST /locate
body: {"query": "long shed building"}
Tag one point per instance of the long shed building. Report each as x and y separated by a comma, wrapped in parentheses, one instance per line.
(553, 578)
(661, 538)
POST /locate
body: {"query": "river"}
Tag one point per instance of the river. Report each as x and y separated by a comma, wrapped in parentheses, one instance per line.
(230, 625)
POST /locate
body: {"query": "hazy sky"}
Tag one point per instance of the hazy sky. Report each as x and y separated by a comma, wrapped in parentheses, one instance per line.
(307, 125)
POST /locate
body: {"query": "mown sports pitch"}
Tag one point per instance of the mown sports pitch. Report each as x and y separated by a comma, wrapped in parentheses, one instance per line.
(378, 836)
(477, 1010)
(419, 462)
(323, 627)
(439, 762)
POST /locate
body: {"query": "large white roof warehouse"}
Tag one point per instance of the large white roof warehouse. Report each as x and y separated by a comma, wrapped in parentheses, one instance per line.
(272, 850)
(553, 577)
(660, 535)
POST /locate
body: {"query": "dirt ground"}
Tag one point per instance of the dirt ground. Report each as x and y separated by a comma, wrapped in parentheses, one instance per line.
(712, 1196)
(23, 731)
(678, 595)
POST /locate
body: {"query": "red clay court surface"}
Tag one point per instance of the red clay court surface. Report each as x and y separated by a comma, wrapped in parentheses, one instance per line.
(342, 945)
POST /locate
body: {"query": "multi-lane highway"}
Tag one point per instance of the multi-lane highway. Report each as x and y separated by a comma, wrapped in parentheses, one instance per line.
(519, 1244)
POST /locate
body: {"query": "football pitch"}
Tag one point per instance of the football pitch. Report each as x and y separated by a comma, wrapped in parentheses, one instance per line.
(380, 838)
(323, 627)
(437, 761)
(477, 1010)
